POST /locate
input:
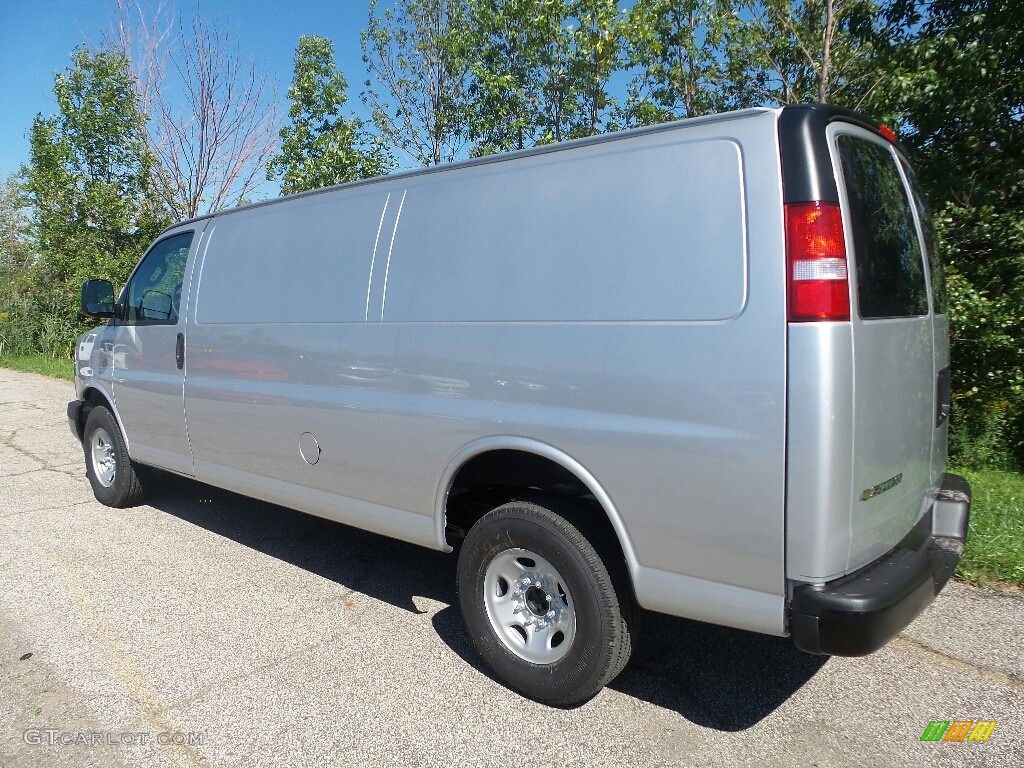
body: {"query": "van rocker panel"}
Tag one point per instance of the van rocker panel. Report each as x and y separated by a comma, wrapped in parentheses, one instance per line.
(861, 612)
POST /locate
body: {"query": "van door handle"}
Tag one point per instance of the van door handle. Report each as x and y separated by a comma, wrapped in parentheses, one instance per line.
(179, 351)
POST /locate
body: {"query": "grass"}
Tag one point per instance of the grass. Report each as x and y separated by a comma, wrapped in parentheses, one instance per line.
(995, 541)
(56, 367)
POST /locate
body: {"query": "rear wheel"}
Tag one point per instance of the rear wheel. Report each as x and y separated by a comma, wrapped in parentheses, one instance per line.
(540, 604)
(116, 481)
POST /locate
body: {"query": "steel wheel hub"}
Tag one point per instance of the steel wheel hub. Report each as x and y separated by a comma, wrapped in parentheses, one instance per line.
(529, 606)
(104, 463)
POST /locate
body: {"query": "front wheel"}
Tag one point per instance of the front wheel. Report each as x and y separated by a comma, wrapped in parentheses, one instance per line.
(541, 606)
(116, 481)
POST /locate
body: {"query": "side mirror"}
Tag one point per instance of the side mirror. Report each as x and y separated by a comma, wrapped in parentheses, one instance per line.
(98, 298)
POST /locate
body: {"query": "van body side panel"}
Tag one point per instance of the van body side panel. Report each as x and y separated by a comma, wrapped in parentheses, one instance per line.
(242, 390)
(610, 400)
(300, 494)
(302, 262)
(741, 607)
(647, 230)
(272, 282)
(680, 415)
(563, 297)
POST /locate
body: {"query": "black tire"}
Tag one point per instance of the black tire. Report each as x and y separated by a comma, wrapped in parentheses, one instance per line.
(116, 481)
(504, 625)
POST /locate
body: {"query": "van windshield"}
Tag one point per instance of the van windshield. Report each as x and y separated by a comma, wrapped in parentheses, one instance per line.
(887, 251)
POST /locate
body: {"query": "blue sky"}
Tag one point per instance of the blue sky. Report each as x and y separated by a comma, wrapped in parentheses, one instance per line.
(37, 37)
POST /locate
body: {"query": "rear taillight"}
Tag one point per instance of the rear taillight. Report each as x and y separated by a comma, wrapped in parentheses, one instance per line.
(818, 279)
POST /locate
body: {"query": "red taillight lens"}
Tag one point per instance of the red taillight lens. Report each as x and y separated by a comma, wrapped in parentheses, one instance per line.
(887, 133)
(818, 280)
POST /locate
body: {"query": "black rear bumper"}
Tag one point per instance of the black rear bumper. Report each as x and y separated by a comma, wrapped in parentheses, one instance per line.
(862, 611)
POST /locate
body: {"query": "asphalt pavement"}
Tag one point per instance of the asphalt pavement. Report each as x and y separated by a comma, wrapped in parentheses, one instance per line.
(206, 629)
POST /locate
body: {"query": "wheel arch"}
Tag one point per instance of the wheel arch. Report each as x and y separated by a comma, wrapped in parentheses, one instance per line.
(471, 455)
(94, 395)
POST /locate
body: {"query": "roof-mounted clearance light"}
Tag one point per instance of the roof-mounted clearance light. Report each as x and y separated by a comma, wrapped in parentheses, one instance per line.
(818, 279)
(887, 133)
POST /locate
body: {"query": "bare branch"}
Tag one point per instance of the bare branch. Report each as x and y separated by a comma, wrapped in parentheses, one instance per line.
(212, 114)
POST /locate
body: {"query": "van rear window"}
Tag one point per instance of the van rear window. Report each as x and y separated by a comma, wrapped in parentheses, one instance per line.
(931, 246)
(887, 252)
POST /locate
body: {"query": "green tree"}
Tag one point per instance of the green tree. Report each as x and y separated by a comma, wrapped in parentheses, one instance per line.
(558, 96)
(598, 48)
(540, 72)
(88, 186)
(15, 265)
(321, 147)
(518, 63)
(792, 51)
(417, 51)
(15, 253)
(956, 91)
(679, 48)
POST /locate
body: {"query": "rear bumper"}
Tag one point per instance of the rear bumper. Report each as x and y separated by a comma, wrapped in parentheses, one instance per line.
(862, 611)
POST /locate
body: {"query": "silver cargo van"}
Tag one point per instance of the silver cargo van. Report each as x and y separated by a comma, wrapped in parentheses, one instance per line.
(699, 368)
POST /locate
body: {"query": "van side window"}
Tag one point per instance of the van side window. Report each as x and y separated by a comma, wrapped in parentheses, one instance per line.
(890, 268)
(153, 294)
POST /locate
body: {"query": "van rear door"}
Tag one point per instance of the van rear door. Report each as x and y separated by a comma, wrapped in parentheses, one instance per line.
(895, 360)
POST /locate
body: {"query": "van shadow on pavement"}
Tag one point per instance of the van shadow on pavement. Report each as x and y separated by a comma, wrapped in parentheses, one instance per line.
(715, 677)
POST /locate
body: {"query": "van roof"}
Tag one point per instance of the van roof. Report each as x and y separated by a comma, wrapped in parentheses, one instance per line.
(799, 123)
(806, 163)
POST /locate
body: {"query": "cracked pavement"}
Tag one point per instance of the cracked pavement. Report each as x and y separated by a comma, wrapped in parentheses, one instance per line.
(246, 634)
